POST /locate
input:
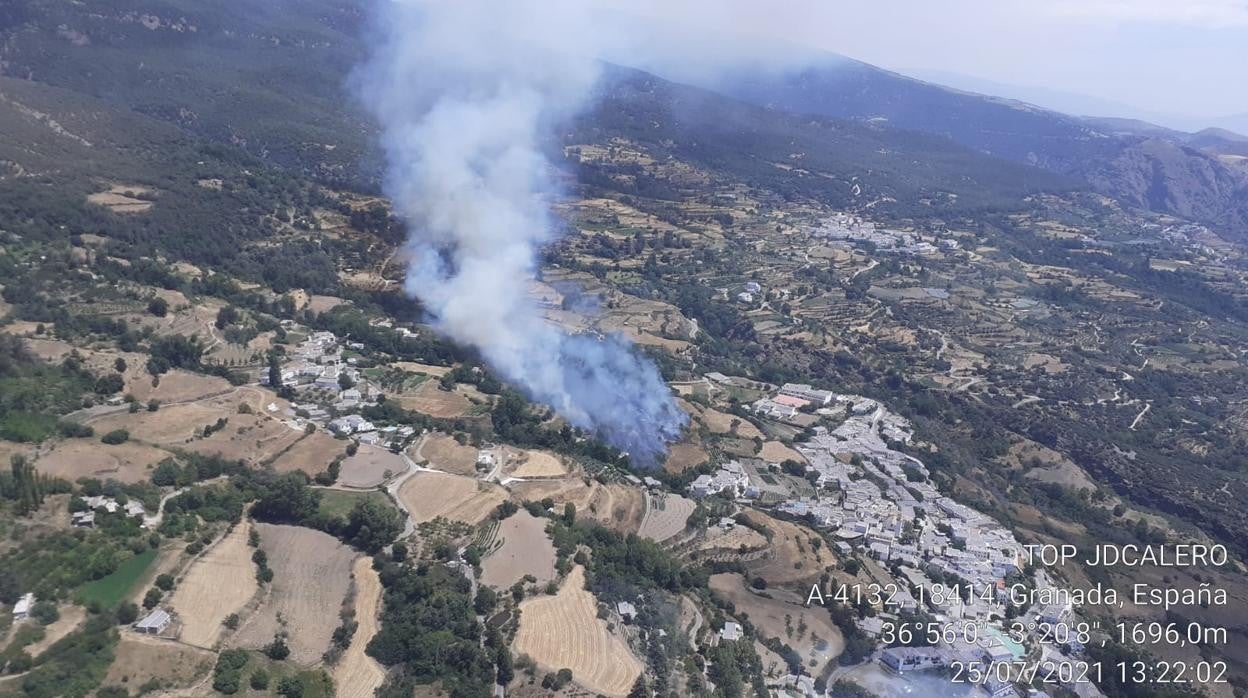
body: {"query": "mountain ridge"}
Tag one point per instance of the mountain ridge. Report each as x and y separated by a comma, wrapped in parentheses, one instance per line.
(1113, 155)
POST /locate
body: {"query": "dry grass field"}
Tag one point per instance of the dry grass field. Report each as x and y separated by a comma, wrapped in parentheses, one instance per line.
(219, 583)
(171, 425)
(175, 386)
(809, 630)
(443, 452)
(618, 507)
(121, 199)
(525, 549)
(252, 438)
(74, 458)
(776, 452)
(370, 466)
(311, 576)
(358, 675)
(454, 497)
(310, 454)
(431, 400)
(683, 456)
(141, 658)
(792, 558)
(666, 517)
(721, 422)
(536, 464)
(564, 631)
(427, 369)
(719, 539)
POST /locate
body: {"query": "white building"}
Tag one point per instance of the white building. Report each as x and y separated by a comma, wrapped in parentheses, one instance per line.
(154, 623)
(805, 392)
(730, 479)
(21, 609)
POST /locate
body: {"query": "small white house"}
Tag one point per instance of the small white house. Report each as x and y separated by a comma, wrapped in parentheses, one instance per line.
(731, 631)
(21, 609)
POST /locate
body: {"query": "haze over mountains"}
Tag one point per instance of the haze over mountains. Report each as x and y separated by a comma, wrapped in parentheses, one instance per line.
(1197, 176)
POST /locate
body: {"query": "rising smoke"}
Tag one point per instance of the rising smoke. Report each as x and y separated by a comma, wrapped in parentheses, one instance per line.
(465, 91)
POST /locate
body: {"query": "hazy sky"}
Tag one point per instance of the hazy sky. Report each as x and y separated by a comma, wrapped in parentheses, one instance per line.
(1164, 57)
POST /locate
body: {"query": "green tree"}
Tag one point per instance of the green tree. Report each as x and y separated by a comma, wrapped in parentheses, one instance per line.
(127, 613)
(275, 371)
(158, 307)
(372, 525)
(45, 612)
(277, 649)
(151, 598)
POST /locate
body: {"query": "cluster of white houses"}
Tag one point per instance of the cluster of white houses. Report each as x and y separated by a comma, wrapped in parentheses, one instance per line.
(875, 500)
(86, 518)
(851, 229)
(317, 367)
(730, 480)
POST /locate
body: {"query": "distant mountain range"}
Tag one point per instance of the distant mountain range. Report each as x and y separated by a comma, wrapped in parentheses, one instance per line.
(269, 78)
(1199, 176)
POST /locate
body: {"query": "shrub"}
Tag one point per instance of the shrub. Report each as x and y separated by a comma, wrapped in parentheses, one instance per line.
(278, 649)
(259, 679)
(116, 436)
(45, 612)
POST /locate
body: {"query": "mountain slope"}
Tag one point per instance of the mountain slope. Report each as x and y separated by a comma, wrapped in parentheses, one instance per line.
(271, 78)
(1181, 180)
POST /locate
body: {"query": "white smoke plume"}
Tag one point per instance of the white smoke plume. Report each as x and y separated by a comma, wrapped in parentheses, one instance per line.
(465, 91)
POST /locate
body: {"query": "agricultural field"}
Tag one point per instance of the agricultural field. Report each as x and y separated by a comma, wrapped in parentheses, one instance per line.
(442, 452)
(201, 601)
(796, 554)
(809, 630)
(666, 516)
(430, 399)
(370, 466)
(776, 452)
(685, 456)
(311, 576)
(429, 495)
(176, 386)
(141, 659)
(110, 590)
(523, 548)
(721, 422)
(252, 437)
(732, 540)
(358, 675)
(616, 506)
(74, 458)
(310, 454)
(335, 502)
(535, 464)
(564, 631)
